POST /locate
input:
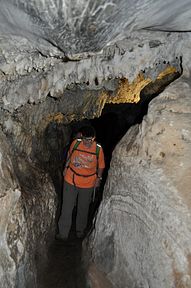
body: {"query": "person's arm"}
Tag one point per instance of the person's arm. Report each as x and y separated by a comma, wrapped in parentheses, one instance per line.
(100, 169)
(99, 173)
(99, 177)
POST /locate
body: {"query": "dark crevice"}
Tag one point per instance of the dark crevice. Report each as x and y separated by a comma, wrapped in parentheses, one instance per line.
(116, 119)
(96, 81)
(52, 97)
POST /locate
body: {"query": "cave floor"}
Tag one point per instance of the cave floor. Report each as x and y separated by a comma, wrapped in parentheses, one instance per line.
(64, 268)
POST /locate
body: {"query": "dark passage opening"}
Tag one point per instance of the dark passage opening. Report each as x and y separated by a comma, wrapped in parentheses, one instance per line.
(65, 266)
(116, 119)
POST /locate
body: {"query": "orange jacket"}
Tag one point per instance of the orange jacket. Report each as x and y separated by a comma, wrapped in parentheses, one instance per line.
(84, 163)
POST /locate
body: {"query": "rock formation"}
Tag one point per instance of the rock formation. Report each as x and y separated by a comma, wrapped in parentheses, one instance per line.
(62, 61)
(142, 233)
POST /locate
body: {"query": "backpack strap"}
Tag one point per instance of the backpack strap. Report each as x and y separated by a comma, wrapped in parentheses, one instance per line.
(98, 146)
(78, 141)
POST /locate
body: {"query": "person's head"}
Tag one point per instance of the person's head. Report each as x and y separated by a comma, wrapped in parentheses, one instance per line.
(88, 134)
(77, 134)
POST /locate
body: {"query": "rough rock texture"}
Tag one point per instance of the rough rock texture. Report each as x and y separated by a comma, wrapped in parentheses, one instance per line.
(81, 26)
(150, 52)
(9, 196)
(27, 212)
(37, 36)
(142, 235)
(96, 278)
(62, 61)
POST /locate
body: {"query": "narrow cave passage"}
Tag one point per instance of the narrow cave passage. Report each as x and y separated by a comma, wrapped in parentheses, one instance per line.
(65, 267)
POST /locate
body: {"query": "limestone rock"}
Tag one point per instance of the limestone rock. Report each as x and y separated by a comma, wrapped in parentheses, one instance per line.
(142, 235)
(27, 213)
(39, 39)
(56, 58)
(79, 27)
(97, 279)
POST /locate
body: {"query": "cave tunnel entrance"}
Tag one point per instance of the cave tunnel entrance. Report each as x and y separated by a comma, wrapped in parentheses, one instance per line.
(110, 127)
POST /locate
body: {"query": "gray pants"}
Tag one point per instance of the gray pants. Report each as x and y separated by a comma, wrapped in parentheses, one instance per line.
(70, 193)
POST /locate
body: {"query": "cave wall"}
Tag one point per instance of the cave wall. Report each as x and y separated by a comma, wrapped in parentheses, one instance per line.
(142, 232)
(25, 123)
(27, 212)
(32, 144)
(147, 52)
(25, 118)
(62, 61)
(72, 28)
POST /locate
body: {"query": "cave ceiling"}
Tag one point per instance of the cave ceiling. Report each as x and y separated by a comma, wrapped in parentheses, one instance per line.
(81, 26)
(49, 45)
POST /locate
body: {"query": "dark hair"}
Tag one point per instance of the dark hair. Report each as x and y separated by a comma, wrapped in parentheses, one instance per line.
(76, 134)
(88, 131)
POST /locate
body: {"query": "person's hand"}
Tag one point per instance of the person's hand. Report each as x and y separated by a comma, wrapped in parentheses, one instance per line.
(97, 182)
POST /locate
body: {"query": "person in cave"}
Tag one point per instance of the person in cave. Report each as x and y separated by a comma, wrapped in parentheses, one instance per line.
(82, 175)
